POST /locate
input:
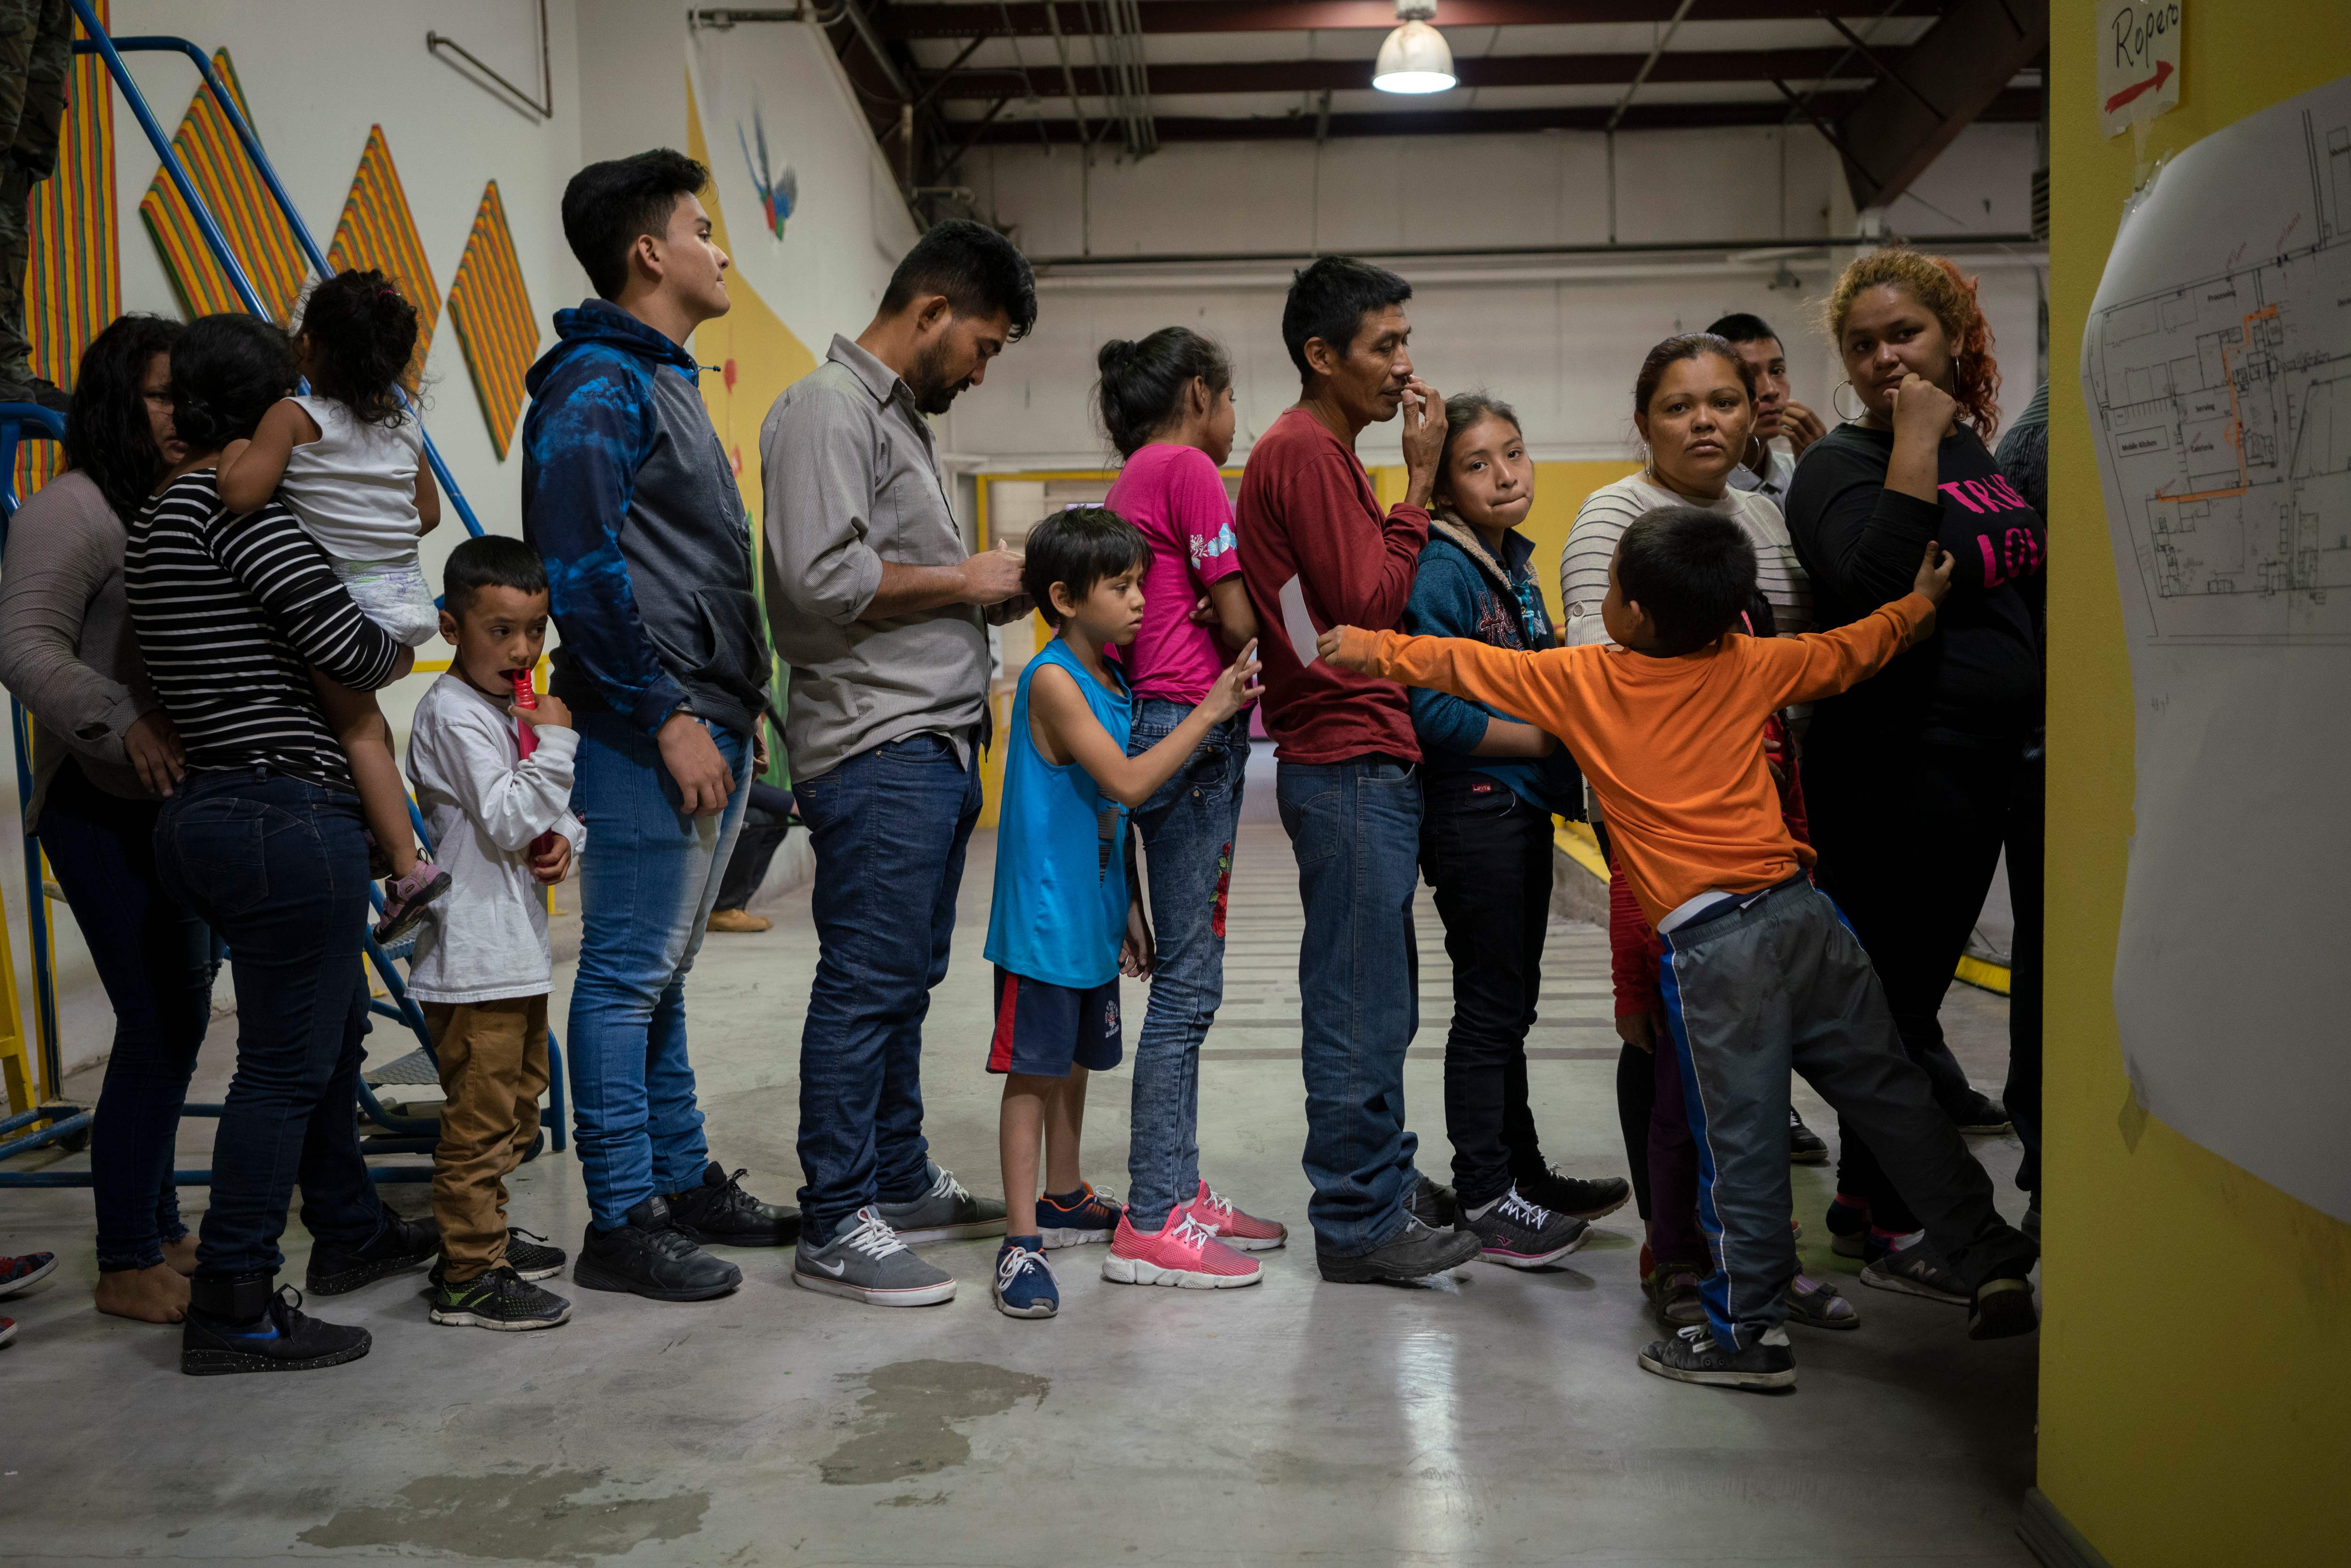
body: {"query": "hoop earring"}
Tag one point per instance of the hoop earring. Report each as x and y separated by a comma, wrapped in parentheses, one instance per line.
(1839, 407)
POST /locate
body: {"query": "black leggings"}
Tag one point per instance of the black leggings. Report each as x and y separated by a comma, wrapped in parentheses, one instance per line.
(1909, 833)
(1488, 853)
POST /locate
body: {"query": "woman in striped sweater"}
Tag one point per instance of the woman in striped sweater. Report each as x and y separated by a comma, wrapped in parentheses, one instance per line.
(263, 841)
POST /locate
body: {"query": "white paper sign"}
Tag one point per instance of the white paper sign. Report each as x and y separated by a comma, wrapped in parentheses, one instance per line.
(1297, 623)
(2138, 61)
(2214, 368)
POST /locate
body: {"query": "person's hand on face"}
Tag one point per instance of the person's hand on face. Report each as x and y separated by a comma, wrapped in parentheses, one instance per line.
(1923, 409)
(1423, 431)
(1800, 425)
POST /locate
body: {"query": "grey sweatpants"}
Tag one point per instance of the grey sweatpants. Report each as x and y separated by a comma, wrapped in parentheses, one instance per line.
(1783, 982)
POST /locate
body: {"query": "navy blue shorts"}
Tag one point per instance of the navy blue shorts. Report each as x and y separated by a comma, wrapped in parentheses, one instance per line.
(1042, 1028)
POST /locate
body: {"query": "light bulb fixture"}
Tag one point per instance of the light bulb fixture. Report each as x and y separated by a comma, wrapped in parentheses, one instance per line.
(1414, 58)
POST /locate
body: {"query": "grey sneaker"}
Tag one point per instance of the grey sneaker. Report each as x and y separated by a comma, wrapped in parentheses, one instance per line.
(1917, 1271)
(947, 1213)
(867, 1261)
(1693, 1356)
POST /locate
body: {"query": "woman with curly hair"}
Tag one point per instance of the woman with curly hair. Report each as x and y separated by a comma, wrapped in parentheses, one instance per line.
(1909, 776)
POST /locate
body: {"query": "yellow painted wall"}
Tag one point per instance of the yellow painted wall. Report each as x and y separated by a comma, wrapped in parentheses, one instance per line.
(2195, 1396)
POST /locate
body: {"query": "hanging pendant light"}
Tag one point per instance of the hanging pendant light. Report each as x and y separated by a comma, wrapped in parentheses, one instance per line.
(1414, 59)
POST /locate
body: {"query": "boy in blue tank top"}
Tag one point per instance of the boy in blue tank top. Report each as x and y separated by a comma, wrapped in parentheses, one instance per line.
(1066, 918)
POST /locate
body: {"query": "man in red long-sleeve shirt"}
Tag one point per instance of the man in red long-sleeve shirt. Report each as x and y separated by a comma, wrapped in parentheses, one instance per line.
(1316, 549)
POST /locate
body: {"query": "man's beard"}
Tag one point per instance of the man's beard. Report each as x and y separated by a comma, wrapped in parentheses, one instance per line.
(926, 379)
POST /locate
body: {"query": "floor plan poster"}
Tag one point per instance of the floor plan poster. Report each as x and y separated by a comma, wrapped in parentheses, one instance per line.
(2217, 369)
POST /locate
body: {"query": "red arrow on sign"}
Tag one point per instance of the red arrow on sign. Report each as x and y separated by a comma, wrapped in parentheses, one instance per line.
(2154, 83)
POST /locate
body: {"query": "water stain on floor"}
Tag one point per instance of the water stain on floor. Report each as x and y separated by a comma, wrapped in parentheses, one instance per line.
(539, 1516)
(905, 1423)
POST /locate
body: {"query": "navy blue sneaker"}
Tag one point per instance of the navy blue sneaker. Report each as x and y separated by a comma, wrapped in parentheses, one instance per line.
(1072, 1219)
(1024, 1284)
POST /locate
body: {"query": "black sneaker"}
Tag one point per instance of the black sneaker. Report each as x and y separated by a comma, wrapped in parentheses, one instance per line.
(1979, 1113)
(1574, 1197)
(404, 1245)
(1434, 1206)
(1518, 1234)
(719, 1213)
(501, 1299)
(2001, 1308)
(1805, 1147)
(1848, 1228)
(1414, 1253)
(649, 1257)
(1692, 1356)
(242, 1325)
(528, 1255)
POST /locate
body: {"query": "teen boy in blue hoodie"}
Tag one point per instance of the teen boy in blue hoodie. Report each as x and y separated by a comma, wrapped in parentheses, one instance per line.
(1493, 784)
(629, 496)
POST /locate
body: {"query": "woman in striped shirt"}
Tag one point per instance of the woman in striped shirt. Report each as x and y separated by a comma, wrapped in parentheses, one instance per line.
(263, 841)
(1694, 403)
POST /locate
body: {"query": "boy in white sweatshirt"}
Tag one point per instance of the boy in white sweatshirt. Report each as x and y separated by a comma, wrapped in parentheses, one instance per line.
(497, 808)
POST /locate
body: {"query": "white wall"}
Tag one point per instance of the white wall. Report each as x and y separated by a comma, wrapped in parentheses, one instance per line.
(1559, 337)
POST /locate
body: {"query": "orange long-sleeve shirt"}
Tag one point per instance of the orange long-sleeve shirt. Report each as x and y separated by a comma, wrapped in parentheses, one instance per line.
(1673, 747)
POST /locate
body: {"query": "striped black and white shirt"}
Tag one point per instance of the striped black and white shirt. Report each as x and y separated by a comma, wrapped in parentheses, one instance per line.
(1608, 511)
(232, 614)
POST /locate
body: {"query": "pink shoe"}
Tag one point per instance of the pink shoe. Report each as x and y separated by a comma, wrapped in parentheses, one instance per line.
(1182, 1254)
(1232, 1226)
(405, 898)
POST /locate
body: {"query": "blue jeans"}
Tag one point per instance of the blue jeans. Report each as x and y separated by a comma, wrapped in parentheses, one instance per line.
(646, 887)
(1354, 828)
(1187, 831)
(279, 868)
(155, 960)
(889, 827)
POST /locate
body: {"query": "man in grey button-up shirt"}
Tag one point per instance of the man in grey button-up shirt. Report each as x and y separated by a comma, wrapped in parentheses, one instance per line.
(882, 615)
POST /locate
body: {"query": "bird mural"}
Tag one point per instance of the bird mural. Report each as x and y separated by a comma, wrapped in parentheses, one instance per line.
(778, 191)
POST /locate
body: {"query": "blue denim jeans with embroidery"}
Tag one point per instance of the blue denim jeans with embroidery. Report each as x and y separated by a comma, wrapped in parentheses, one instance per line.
(647, 883)
(1186, 830)
(1354, 828)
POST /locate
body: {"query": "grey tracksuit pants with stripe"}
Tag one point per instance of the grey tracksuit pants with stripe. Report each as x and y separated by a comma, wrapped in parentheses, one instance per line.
(1777, 981)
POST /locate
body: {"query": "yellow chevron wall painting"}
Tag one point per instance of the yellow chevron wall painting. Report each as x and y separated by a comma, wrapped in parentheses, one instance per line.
(73, 281)
(491, 310)
(257, 234)
(378, 231)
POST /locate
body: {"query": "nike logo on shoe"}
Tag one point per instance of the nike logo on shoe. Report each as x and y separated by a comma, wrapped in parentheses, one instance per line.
(835, 1269)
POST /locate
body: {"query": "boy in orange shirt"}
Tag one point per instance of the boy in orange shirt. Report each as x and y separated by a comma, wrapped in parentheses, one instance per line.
(1760, 972)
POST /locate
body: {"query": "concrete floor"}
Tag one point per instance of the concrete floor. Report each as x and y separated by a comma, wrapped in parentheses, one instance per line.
(1495, 1417)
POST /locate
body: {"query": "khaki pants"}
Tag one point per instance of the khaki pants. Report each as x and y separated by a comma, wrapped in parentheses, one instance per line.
(493, 1069)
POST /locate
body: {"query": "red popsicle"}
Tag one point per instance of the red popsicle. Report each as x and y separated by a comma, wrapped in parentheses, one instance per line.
(528, 739)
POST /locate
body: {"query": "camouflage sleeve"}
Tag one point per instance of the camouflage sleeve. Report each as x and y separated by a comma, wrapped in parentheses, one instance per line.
(590, 429)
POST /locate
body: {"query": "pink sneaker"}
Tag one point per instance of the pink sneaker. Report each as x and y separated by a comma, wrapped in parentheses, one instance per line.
(1232, 1226)
(1182, 1254)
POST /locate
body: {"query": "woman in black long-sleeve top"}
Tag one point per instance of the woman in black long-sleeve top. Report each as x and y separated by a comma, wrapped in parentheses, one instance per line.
(263, 841)
(1907, 778)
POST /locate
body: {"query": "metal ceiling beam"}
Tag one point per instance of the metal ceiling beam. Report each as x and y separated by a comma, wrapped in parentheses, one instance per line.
(1159, 17)
(1499, 70)
(1957, 70)
(2019, 106)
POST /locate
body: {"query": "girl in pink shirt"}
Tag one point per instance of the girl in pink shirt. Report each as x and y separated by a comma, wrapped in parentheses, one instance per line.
(1167, 404)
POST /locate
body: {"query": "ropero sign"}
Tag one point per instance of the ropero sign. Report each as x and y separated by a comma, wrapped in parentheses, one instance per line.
(2138, 61)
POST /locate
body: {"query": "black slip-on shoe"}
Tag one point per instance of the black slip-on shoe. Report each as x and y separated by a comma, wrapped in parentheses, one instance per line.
(405, 1244)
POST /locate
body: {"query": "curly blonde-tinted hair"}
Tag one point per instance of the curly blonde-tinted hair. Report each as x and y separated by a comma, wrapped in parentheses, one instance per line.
(1939, 286)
